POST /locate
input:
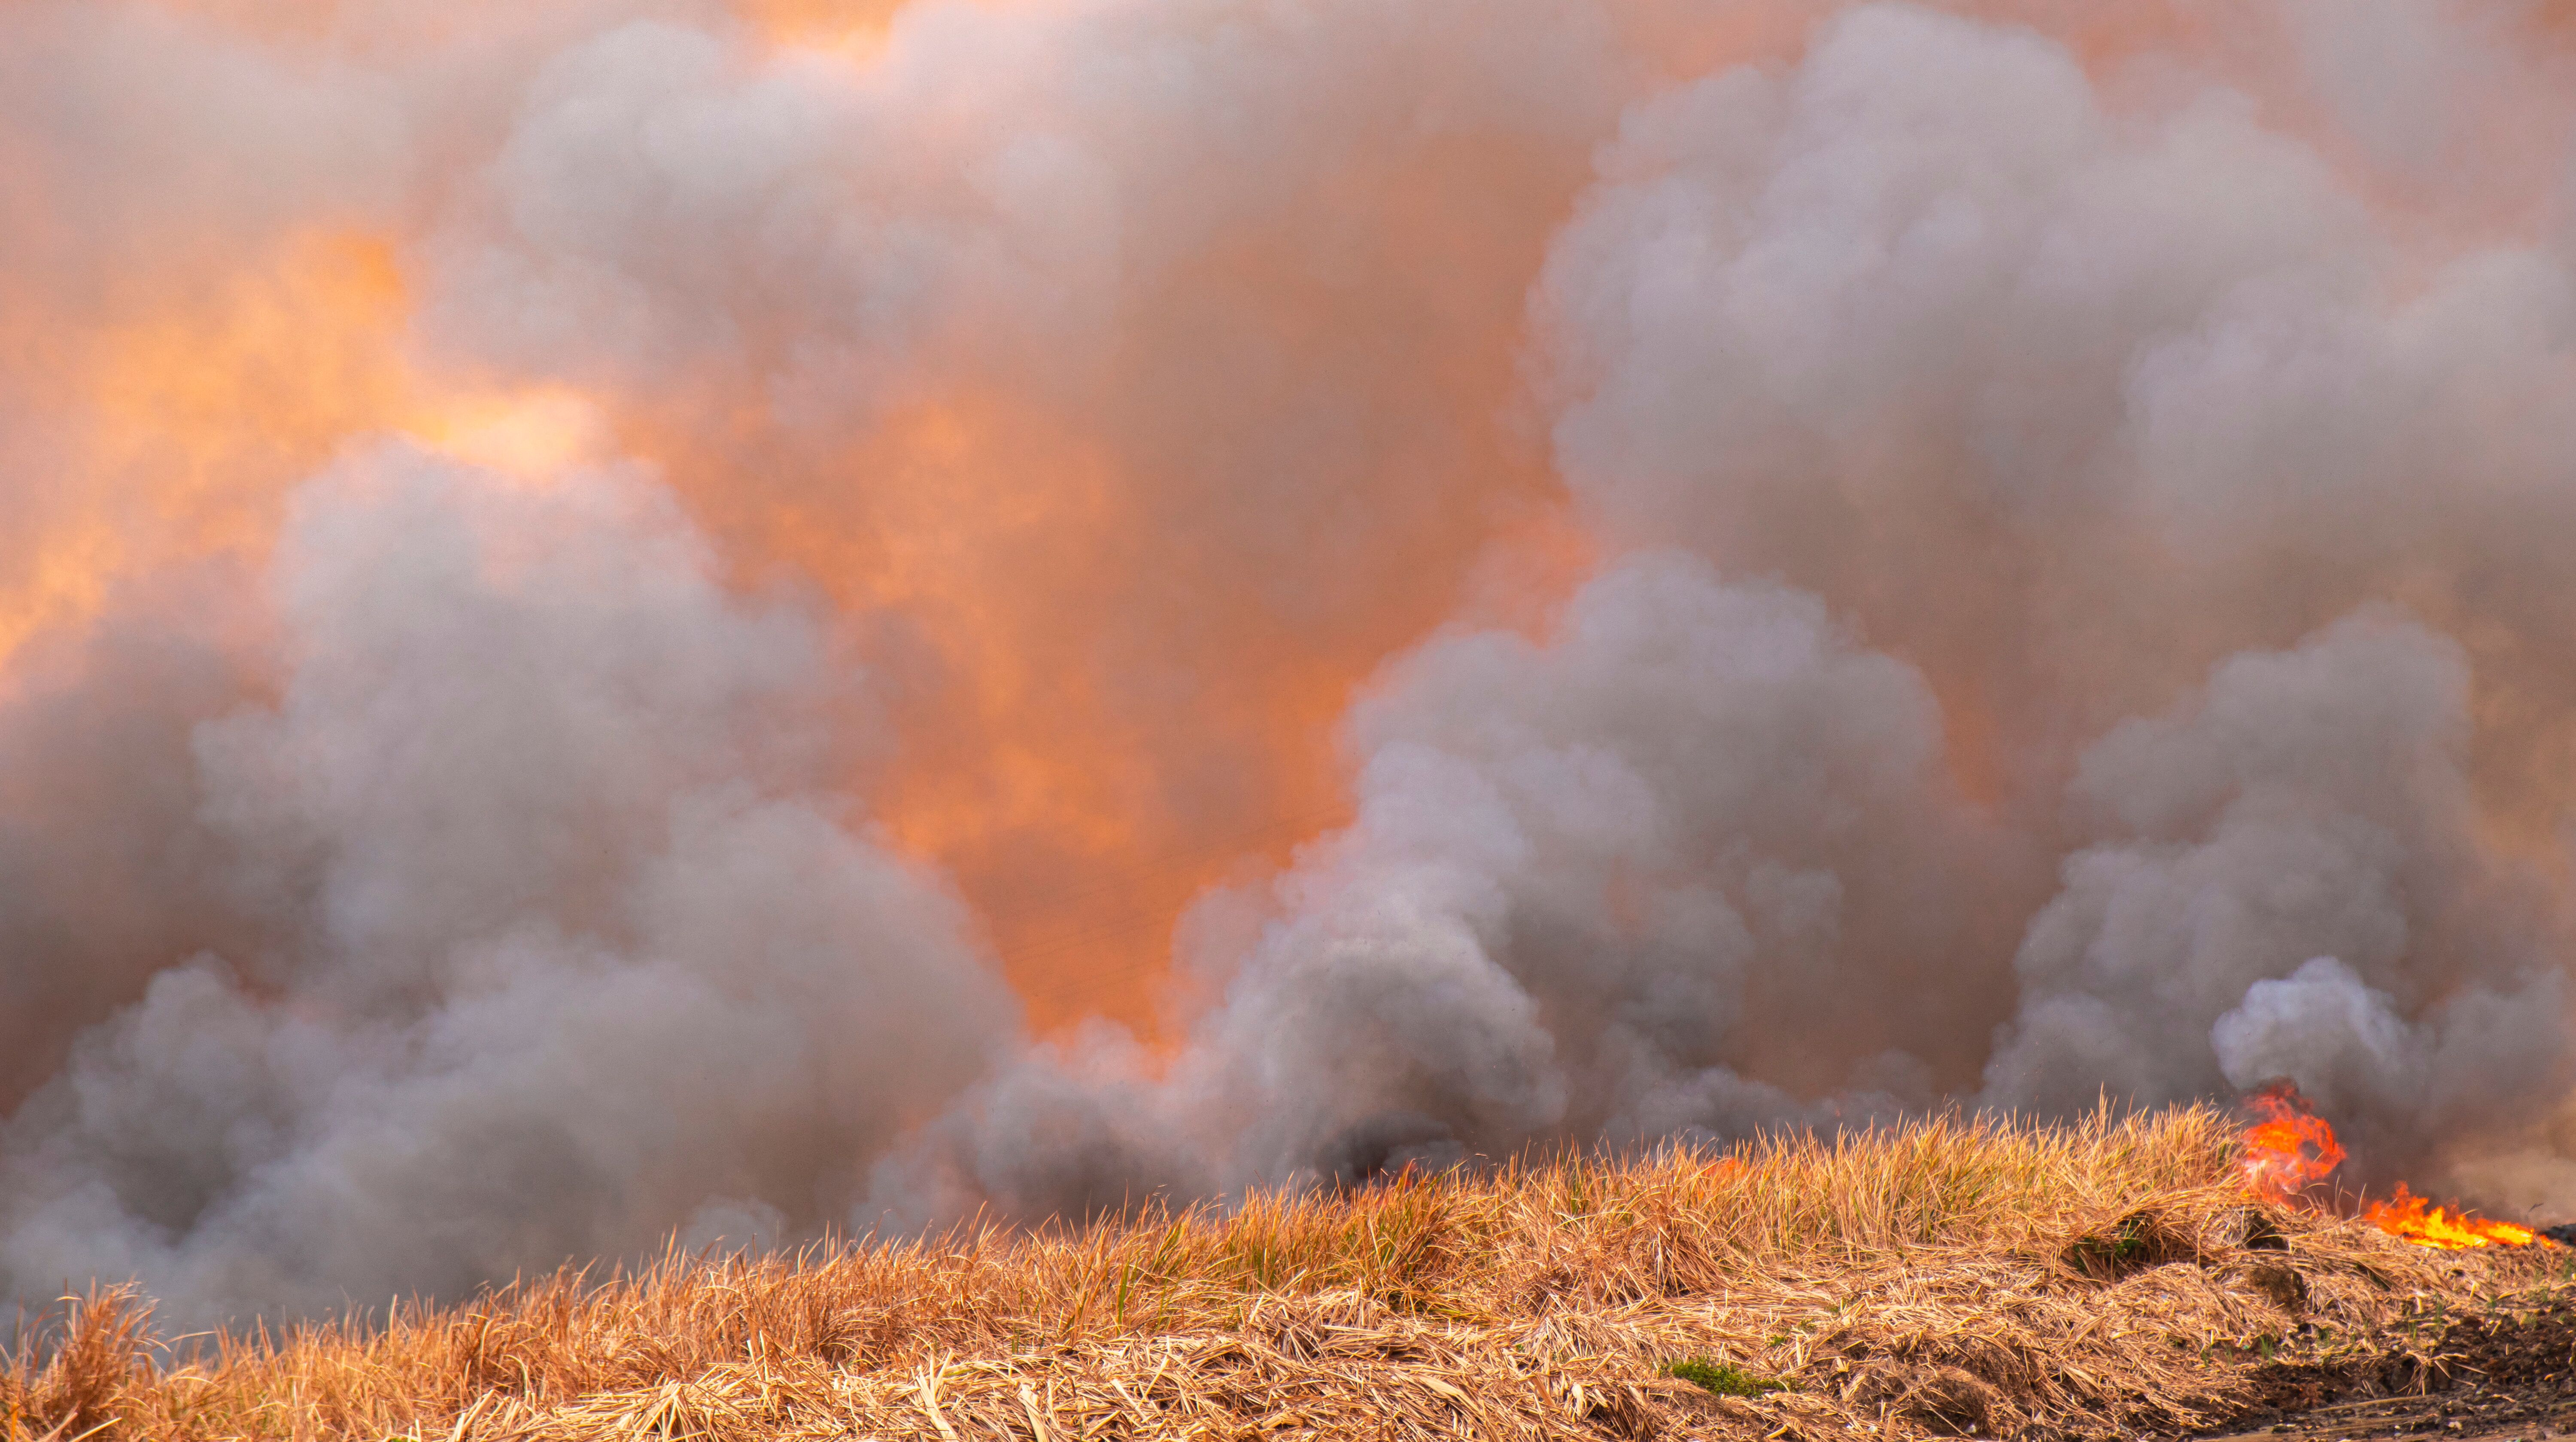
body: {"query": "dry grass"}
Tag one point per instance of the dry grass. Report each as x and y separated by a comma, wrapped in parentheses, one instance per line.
(1946, 1277)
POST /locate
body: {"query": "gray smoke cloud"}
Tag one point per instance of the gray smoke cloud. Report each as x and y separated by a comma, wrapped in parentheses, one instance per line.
(2308, 801)
(2074, 610)
(1002, 193)
(1212, 308)
(1590, 884)
(561, 935)
(2127, 426)
(106, 870)
(2101, 401)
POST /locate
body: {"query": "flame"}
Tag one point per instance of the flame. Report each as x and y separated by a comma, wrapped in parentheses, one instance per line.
(2290, 1148)
(2412, 1217)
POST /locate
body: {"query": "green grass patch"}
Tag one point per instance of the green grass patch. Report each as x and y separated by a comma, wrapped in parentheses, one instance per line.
(1723, 1379)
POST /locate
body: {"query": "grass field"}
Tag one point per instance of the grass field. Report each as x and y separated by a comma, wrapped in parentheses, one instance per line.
(1944, 1278)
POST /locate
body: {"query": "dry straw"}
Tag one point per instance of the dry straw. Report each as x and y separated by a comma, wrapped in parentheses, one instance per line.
(1945, 1277)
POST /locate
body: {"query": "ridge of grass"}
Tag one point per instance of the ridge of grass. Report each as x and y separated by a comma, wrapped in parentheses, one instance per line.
(1935, 1277)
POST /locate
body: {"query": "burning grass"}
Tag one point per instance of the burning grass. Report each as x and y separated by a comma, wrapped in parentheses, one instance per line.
(1946, 1277)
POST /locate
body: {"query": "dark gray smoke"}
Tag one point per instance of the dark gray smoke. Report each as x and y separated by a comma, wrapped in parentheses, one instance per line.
(2073, 606)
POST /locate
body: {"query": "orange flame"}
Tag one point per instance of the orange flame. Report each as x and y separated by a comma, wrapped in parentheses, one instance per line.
(2290, 1148)
(2412, 1217)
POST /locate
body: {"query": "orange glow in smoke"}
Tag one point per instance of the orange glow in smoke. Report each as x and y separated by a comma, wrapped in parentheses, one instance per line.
(205, 404)
(1114, 681)
(2289, 1148)
(851, 28)
(202, 398)
(531, 435)
(1022, 542)
(1112, 686)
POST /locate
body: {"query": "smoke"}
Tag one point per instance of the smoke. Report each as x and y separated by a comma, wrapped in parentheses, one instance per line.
(1588, 882)
(2313, 800)
(2075, 411)
(1239, 285)
(2074, 404)
(556, 939)
(1456, 577)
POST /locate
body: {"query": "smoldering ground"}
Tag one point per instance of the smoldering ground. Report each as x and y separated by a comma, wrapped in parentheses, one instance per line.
(1836, 560)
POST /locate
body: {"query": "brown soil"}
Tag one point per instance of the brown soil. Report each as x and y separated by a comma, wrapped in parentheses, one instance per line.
(2508, 1375)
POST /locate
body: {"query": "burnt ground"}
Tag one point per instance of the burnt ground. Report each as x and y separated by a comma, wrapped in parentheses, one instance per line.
(2505, 1375)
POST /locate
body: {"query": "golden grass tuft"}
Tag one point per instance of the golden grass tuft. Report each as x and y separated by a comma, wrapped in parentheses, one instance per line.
(1946, 1277)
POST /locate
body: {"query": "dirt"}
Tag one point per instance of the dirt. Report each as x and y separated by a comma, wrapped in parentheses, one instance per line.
(2508, 1376)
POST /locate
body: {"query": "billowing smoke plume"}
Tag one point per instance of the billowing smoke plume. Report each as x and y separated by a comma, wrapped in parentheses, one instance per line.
(550, 935)
(2310, 801)
(1788, 563)
(2067, 394)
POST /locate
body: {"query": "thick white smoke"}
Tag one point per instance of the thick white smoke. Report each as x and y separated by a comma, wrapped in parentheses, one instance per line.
(2068, 399)
(2076, 610)
(2311, 801)
(555, 937)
